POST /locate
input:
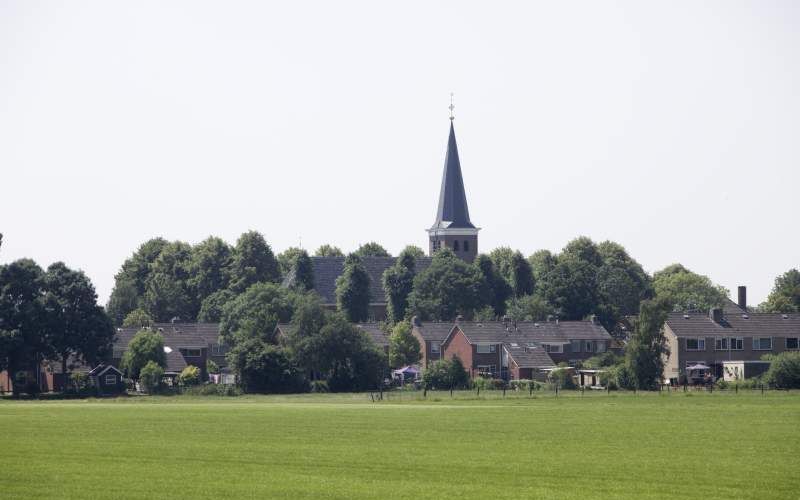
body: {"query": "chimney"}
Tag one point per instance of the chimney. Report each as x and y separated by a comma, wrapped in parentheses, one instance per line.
(593, 319)
(415, 321)
(715, 315)
(743, 297)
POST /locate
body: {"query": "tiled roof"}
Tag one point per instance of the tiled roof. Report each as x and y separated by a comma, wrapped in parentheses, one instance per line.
(434, 331)
(743, 325)
(501, 332)
(528, 357)
(175, 362)
(327, 269)
(176, 336)
(377, 335)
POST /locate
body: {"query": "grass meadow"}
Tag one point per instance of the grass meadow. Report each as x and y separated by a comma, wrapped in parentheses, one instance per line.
(618, 445)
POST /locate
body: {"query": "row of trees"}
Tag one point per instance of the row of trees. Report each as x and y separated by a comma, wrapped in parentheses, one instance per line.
(49, 315)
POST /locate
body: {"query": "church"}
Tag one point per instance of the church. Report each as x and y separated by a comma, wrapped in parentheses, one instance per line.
(452, 229)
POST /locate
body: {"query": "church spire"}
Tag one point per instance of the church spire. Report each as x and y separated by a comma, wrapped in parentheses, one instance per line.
(453, 211)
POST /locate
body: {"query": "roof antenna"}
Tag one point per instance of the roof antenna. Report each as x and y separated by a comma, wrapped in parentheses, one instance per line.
(451, 107)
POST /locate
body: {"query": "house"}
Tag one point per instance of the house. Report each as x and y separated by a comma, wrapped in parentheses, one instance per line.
(107, 379)
(430, 336)
(182, 346)
(508, 350)
(48, 376)
(725, 337)
(452, 228)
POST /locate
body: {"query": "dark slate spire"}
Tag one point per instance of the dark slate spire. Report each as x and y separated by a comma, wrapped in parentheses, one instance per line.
(453, 212)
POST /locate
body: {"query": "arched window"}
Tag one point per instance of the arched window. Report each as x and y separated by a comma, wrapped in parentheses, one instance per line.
(466, 246)
(455, 245)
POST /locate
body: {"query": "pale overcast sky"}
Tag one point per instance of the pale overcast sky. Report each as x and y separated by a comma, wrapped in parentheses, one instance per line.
(669, 127)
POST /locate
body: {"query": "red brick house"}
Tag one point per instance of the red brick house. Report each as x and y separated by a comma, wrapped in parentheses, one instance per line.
(430, 336)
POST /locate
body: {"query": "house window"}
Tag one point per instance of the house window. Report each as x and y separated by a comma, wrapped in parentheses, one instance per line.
(435, 346)
(721, 344)
(589, 346)
(553, 348)
(466, 246)
(486, 348)
(695, 344)
(762, 343)
(455, 246)
(792, 343)
(576, 346)
(192, 353)
(601, 346)
(486, 370)
(725, 343)
(111, 379)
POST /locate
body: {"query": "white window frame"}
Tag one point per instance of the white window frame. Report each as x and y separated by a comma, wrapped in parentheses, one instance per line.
(736, 341)
(757, 344)
(485, 348)
(721, 344)
(113, 379)
(436, 347)
(701, 344)
(797, 345)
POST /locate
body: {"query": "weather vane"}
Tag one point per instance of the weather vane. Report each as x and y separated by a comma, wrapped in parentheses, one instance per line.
(452, 107)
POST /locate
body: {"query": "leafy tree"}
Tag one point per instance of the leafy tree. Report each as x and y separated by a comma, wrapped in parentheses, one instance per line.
(398, 282)
(785, 295)
(287, 259)
(189, 375)
(621, 284)
(403, 346)
(123, 300)
(529, 308)
(265, 368)
(542, 262)
(168, 289)
(256, 312)
(447, 288)
(502, 257)
(301, 274)
(349, 356)
(686, 290)
(145, 347)
(352, 290)
(583, 248)
(784, 371)
(130, 281)
(571, 287)
(521, 275)
(213, 305)
(445, 374)
(210, 267)
(78, 327)
(372, 249)
(414, 251)
(150, 377)
(253, 262)
(497, 289)
(23, 318)
(304, 337)
(328, 251)
(647, 345)
(138, 318)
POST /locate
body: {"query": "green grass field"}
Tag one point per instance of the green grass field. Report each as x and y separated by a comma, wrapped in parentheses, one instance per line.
(695, 446)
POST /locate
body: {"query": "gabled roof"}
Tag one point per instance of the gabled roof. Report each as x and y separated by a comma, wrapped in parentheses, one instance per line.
(102, 368)
(183, 335)
(528, 357)
(499, 332)
(327, 269)
(742, 325)
(433, 331)
(452, 211)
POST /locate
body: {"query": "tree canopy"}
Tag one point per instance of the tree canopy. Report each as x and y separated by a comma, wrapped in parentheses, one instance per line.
(372, 249)
(785, 294)
(447, 288)
(145, 347)
(687, 291)
(253, 262)
(398, 281)
(256, 312)
(403, 346)
(327, 250)
(352, 290)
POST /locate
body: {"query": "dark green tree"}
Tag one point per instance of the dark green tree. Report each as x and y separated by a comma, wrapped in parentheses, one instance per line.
(168, 289)
(253, 262)
(138, 318)
(571, 288)
(529, 308)
(647, 345)
(447, 288)
(687, 291)
(414, 251)
(131, 281)
(301, 274)
(265, 368)
(372, 249)
(521, 275)
(328, 251)
(146, 346)
(404, 348)
(287, 259)
(210, 267)
(542, 262)
(785, 295)
(398, 281)
(213, 305)
(352, 290)
(497, 288)
(349, 356)
(255, 313)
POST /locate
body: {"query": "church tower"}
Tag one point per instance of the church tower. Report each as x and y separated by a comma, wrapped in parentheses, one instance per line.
(452, 227)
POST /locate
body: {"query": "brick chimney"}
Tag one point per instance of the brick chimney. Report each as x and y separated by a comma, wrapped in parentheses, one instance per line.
(742, 297)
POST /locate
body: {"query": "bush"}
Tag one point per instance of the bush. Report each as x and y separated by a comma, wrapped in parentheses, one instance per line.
(78, 383)
(562, 378)
(189, 376)
(445, 374)
(784, 372)
(524, 385)
(319, 386)
(211, 366)
(150, 377)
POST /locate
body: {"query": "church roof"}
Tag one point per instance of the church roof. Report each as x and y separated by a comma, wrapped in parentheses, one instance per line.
(327, 269)
(453, 212)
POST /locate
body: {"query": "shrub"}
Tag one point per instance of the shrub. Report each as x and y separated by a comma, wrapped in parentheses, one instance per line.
(523, 385)
(78, 382)
(562, 378)
(445, 374)
(319, 386)
(784, 372)
(150, 377)
(189, 376)
(211, 366)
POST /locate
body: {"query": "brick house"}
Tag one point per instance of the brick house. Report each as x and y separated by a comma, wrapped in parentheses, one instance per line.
(182, 346)
(506, 349)
(430, 336)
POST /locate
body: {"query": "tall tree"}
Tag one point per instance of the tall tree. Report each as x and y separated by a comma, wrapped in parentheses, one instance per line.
(785, 295)
(521, 275)
(542, 262)
(287, 259)
(349, 356)
(352, 290)
(23, 318)
(253, 262)
(265, 368)
(372, 249)
(78, 327)
(168, 289)
(210, 267)
(403, 346)
(304, 337)
(146, 346)
(414, 251)
(138, 318)
(447, 288)
(621, 284)
(687, 291)
(256, 312)
(398, 281)
(647, 346)
(301, 273)
(497, 289)
(212, 307)
(131, 281)
(328, 251)
(571, 287)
